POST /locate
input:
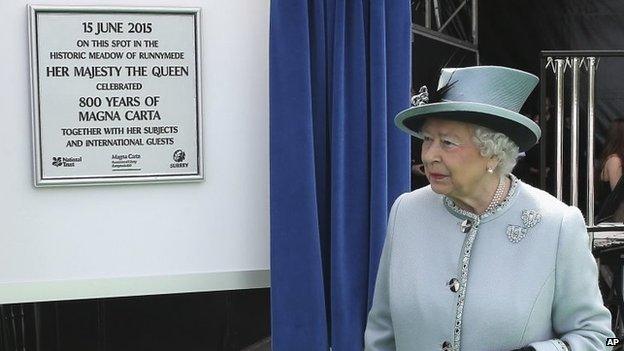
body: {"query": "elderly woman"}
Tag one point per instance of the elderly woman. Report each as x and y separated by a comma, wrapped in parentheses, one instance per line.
(479, 260)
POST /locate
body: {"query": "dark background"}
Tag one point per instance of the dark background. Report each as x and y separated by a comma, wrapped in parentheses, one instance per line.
(227, 320)
(512, 33)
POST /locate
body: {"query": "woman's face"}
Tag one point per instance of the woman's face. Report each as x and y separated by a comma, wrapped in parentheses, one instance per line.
(453, 163)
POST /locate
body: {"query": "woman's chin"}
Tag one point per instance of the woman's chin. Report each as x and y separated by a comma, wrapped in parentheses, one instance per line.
(441, 189)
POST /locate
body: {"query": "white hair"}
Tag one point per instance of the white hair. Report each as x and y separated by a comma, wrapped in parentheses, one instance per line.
(498, 145)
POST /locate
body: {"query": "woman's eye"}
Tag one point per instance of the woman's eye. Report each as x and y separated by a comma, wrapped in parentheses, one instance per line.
(448, 143)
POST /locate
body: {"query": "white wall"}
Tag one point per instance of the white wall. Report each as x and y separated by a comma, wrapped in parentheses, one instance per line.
(120, 240)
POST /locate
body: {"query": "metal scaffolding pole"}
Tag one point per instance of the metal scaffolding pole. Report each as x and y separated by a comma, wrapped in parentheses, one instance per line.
(590, 139)
(452, 16)
(574, 165)
(475, 23)
(436, 13)
(560, 64)
(542, 122)
(428, 14)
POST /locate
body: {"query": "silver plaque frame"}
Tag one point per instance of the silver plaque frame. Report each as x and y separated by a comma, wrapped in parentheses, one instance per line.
(41, 179)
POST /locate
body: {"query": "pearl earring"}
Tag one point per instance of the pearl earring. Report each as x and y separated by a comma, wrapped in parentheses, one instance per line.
(490, 170)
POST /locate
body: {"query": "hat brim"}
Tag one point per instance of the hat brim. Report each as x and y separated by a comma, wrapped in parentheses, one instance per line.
(522, 130)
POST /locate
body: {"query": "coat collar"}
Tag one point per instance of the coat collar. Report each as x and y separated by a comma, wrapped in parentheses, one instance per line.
(457, 211)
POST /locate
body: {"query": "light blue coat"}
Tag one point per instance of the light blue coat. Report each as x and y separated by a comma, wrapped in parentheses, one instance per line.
(531, 281)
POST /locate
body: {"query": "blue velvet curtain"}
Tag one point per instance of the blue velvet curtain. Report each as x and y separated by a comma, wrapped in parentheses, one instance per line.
(339, 72)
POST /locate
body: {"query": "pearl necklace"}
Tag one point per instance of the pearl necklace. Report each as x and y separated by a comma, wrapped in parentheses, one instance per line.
(498, 196)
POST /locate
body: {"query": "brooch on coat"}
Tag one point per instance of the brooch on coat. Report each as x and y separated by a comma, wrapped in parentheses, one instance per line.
(530, 218)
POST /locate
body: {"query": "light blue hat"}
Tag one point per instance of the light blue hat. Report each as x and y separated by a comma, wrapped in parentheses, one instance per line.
(489, 96)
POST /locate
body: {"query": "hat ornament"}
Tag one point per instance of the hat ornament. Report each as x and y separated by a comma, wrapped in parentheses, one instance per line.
(424, 97)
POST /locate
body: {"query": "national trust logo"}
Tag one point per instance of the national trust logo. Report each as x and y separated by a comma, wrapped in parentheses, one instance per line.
(57, 161)
(179, 155)
(62, 161)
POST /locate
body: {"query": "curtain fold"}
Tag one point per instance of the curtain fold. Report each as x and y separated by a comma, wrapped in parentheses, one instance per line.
(339, 72)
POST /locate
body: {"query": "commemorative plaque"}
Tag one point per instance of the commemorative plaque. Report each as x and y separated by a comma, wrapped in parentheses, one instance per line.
(115, 94)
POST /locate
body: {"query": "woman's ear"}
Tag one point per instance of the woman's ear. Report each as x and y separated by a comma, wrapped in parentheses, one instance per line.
(492, 163)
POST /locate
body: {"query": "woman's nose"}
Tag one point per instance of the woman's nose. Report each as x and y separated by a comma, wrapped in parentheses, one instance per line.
(430, 153)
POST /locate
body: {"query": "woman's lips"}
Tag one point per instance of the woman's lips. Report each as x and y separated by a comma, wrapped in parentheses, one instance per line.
(437, 176)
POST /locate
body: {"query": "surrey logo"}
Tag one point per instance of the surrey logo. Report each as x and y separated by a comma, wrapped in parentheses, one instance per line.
(57, 161)
(179, 155)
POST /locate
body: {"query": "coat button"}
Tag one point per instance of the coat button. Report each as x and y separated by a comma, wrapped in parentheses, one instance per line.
(454, 285)
(446, 346)
(465, 226)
